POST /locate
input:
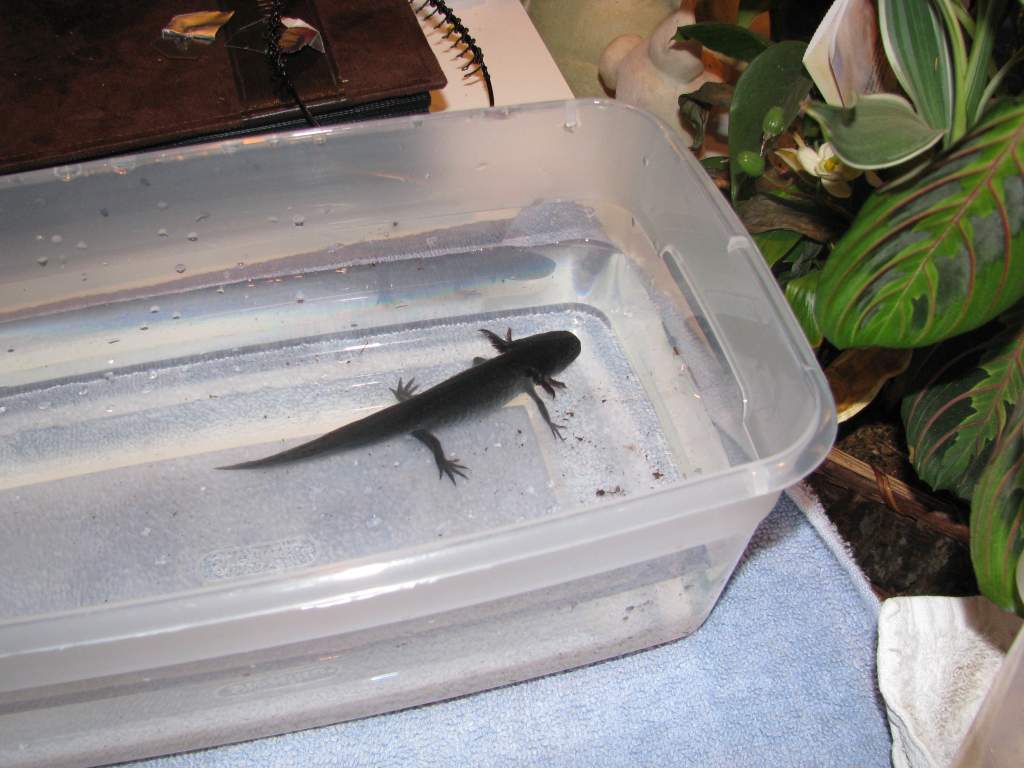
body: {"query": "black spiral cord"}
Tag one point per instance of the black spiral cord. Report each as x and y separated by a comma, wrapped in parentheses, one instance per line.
(462, 39)
(273, 27)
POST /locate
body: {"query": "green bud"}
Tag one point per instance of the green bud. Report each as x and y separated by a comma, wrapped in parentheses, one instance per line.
(773, 124)
(750, 163)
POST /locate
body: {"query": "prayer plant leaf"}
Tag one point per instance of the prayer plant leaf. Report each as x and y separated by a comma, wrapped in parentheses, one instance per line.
(800, 292)
(958, 402)
(939, 257)
(997, 518)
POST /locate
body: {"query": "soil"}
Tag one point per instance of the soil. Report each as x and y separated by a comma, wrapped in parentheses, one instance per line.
(899, 556)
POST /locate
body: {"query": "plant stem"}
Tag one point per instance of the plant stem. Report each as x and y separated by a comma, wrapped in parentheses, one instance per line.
(990, 15)
(956, 39)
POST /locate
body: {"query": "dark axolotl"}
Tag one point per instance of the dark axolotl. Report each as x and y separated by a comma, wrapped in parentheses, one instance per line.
(489, 384)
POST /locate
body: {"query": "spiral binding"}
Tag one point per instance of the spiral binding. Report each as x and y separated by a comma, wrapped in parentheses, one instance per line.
(271, 35)
(463, 39)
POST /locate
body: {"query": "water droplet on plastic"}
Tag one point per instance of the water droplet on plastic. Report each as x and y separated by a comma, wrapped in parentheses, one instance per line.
(176, 316)
(426, 175)
(85, 277)
(81, 245)
(68, 172)
(220, 289)
(44, 405)
(143, 327)
(109, 375)
(40, 237)
(162, 232)
(83, 392)
(153, 375)
(3, 409)
(179, 268)
(300, 297)
(146, 531)
(42, 261)
(193, 236)
(373, 521)
(162, 205)
(109, 409)
(272, 219)
(121, 167)
(569, 127)
(56, 239)
(298, 220)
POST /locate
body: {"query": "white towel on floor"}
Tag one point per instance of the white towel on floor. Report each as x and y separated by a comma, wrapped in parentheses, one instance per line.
(937, 658)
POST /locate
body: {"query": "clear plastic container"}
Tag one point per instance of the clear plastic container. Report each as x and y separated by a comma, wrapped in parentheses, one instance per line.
(996, 737)
(167, 313)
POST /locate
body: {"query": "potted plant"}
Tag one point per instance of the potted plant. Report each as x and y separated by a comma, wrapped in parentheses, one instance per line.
(895, 226)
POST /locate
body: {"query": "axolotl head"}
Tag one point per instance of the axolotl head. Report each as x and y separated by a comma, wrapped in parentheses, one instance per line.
(543, 354)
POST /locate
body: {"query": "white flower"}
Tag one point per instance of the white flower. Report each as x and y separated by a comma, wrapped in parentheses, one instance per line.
(822, 163)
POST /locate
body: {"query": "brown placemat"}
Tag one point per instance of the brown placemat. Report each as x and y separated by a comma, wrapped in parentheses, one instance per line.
(87, 79)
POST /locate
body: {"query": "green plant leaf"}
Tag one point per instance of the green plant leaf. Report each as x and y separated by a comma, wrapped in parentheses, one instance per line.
(801, 294)
(938, 257)
(879, 131)
(980, 63)
(730, 39)
(715, 164)
(915, 44)
(776, 243)
(958, 401)
(775, 78)
(997, 518)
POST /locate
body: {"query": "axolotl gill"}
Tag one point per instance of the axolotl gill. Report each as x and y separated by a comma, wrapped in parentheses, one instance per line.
(489, 384)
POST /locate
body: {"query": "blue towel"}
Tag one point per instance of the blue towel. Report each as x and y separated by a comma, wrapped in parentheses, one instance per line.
(781, 674)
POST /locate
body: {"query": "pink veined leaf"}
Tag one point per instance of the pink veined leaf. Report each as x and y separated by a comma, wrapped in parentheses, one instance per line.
(928, 261)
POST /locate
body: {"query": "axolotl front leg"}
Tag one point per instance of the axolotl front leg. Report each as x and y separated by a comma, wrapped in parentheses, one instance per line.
(548, 384)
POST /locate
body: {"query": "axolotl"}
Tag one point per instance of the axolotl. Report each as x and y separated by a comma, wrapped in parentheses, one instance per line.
(488, 384)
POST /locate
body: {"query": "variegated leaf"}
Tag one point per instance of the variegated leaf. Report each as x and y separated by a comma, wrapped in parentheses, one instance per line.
(938, 258)
(915, 44)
